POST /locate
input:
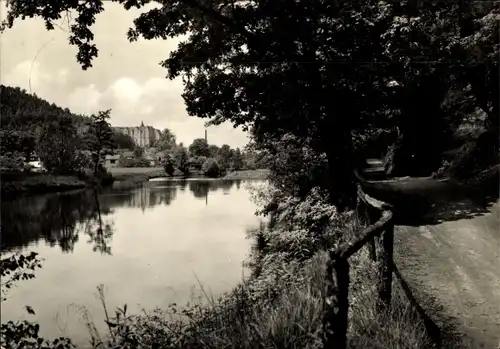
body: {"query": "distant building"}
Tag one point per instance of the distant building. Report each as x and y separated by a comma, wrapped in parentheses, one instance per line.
(143, 136)
(151, 159)
(128, 155)
(35, 162)
(111, 160)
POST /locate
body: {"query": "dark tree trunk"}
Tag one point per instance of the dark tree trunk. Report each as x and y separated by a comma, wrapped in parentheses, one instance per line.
(342, 182)
(96, 163)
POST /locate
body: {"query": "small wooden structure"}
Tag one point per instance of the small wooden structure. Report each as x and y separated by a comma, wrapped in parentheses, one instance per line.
(336, 301)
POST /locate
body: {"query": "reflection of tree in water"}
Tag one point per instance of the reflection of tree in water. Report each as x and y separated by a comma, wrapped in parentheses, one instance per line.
(144, 197)
(162, 196)
(182, 184)
(201, 188)
(238, 184)
(51, 217)
(100, 234)
(55, 218)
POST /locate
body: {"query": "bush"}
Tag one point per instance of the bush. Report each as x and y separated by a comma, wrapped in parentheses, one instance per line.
(105, 178)
(211, 168)
(12, 162)
(196, 162)
(169, 165)
(141, 162)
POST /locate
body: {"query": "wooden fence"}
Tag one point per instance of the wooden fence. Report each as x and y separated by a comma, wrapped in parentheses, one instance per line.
(337, 289)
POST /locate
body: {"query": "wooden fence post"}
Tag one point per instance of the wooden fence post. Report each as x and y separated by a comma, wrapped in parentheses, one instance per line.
(363, 212)
(336, 304)
(386, 267)
(373, 249)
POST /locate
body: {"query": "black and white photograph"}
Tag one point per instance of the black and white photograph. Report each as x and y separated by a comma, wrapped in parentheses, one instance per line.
(250, 174)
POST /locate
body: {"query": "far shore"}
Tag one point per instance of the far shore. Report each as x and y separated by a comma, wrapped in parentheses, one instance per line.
(20, 183)
(248, 174)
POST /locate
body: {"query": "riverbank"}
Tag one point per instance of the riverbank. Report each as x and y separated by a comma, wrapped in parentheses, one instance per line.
(13, 184)
(131, 177)
(248, 174)
(137, 176)
(281, 304)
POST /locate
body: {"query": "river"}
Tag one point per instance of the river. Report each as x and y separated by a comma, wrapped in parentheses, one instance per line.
(149, 247)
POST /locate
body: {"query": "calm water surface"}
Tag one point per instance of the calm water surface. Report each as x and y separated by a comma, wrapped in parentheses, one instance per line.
(147, 246)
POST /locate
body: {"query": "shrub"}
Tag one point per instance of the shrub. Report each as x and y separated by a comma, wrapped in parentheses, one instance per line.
(12, 162)
(196, 162)
(211, 168)
(141, 162)
(169, 165)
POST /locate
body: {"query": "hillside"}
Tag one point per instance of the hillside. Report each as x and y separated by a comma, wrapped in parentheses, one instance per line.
(22, 114)
(20, 107)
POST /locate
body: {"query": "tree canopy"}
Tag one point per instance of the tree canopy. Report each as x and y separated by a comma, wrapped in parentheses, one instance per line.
(199, 147)
(166, 142)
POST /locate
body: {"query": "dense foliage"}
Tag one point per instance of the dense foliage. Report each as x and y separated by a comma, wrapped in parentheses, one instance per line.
(22, 114)
(65, 143)
(166, 142)
(211, 168)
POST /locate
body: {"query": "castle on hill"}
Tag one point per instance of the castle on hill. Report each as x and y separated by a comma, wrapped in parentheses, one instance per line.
(143, 136)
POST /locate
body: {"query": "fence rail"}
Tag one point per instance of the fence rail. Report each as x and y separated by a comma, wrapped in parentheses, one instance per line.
(336, 300)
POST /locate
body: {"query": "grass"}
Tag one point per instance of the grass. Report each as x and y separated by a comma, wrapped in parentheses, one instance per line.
(248, 174)
(280, 307)
(118, 171)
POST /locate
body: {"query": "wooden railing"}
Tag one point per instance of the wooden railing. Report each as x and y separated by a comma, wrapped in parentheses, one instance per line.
(336, 300)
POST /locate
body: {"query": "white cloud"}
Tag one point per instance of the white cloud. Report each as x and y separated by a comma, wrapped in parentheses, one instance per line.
(84, 100)
(157, 102)
(27, 74)
(126, 77)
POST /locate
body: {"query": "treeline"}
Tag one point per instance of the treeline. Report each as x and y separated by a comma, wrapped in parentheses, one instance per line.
(198, 157)
(66, 143)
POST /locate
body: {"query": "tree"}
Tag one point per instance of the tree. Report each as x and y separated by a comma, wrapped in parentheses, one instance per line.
(100, 138)
(211, 168)
(138, 152)
(182, 160)
(166, 142)
(197, 162)
(57, 145)
(237, 162)
(169, 164)
(199, 147)
(213, 150)
(223, 156)
(122, 140)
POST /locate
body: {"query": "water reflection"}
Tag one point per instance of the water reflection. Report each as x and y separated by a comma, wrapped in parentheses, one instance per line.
(99, 232)
(146, 245)
(55, 218)
(58, 219)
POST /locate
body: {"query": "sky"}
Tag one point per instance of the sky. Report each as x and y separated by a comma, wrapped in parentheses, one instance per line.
(125, 77)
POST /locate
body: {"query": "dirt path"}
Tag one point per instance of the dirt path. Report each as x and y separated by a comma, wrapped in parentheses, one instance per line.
(457, 263)
(447, 246)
